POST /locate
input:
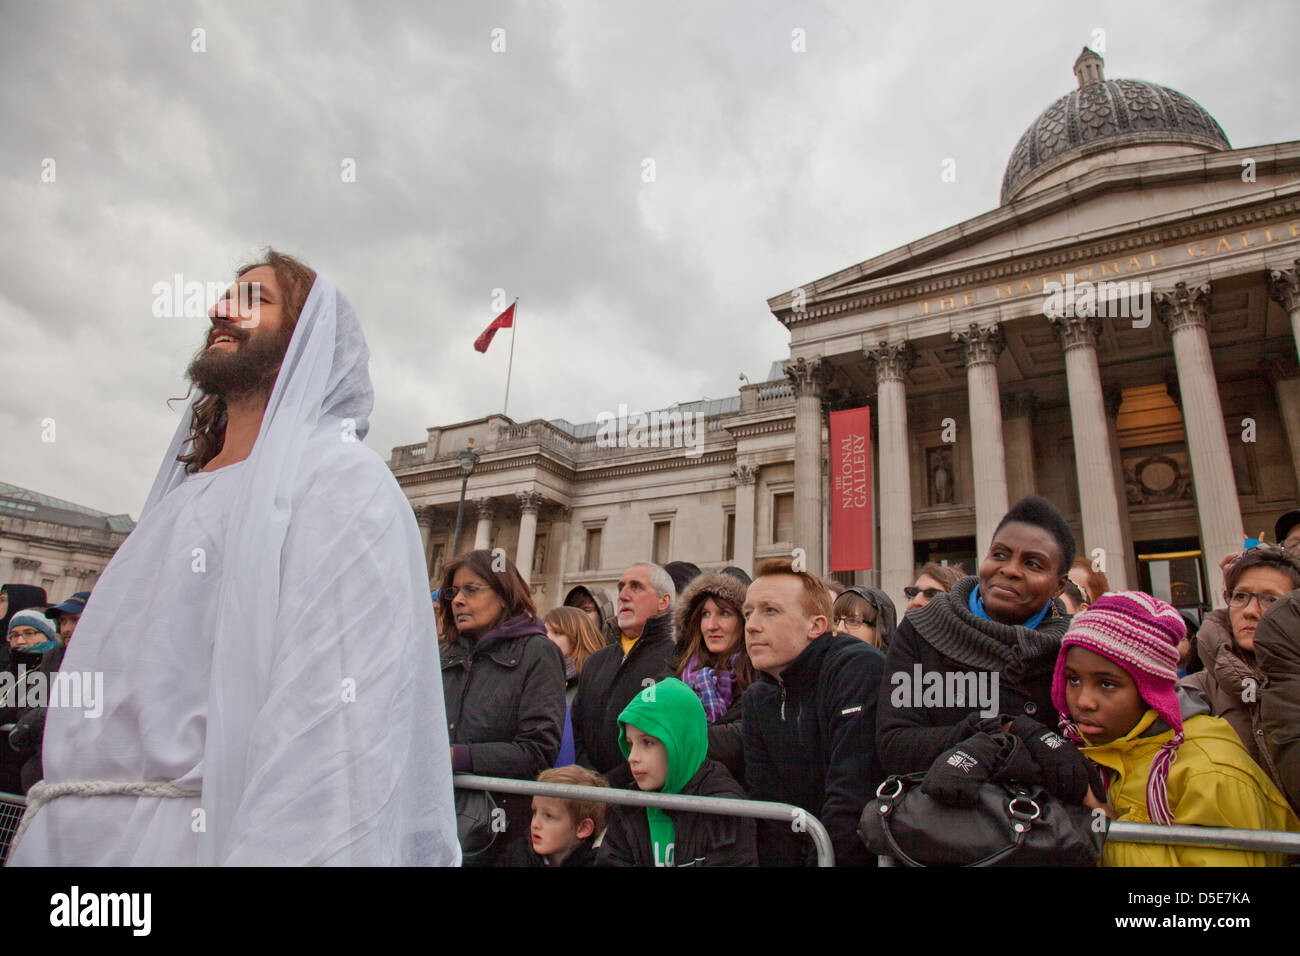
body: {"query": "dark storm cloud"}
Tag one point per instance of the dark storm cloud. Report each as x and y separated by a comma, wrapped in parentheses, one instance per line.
(519, 170)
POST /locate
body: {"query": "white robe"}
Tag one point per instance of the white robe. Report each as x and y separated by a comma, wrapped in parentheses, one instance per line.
(266, 638)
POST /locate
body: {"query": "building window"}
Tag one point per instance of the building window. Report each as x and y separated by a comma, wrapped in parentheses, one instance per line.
(591, 556)
(729, 546)
(662, 533)
(783, 517)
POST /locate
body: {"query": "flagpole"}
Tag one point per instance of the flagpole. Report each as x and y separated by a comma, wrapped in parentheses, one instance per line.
(511, 365)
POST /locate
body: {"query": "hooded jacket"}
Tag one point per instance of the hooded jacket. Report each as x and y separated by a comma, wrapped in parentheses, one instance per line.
(944, 637)
(726, 742)
(604, 606)
(609, 680)
(1277, 648)
(1213, 783)
(810, 740)
(886, 624)
(21, 597)
(504, 695)
(1231, 682)
(670, 712)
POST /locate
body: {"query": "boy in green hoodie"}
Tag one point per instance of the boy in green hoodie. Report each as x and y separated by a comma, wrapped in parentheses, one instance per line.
(664, 735)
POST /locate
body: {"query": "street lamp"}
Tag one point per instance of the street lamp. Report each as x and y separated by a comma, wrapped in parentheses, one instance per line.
(468, 458)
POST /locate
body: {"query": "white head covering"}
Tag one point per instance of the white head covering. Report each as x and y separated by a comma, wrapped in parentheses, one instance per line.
(386, 797)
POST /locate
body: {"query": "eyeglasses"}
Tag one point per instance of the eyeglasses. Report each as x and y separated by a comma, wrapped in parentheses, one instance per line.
(929, 593)
(853, 622)
(471, 591)
(1241, 600)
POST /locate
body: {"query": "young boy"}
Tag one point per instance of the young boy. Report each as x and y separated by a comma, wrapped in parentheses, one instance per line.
(1115, 689)
(563, 832)
(664, 735)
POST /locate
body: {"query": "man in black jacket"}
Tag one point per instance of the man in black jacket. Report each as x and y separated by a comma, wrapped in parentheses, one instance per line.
(810, 722)
(615, 674)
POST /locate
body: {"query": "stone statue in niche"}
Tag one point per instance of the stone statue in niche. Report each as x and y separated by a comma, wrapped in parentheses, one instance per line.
(539, 556)
(941, 477)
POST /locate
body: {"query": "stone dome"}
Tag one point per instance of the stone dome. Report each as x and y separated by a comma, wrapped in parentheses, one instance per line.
(1103, 115)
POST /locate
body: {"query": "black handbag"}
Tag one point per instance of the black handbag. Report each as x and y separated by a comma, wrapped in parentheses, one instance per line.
(475, 822)
(1011, 825)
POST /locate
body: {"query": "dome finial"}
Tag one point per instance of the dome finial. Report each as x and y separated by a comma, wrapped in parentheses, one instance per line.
(1088, 68)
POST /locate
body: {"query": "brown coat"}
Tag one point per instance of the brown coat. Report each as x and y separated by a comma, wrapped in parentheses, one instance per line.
(1277, 642)
(1233, 684)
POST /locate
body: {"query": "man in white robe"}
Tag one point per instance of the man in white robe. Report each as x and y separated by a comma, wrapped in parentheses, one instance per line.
(271, 685)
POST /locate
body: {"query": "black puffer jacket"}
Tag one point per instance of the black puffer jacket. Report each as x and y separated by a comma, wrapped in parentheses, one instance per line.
(520, 853)
(505, 711)
(699, 839)
(609, 681)
(27, 735)
(810, 740)
(911, 732)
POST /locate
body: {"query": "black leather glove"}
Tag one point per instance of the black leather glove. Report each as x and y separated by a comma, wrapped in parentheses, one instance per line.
(955, 777)
(1065, 770)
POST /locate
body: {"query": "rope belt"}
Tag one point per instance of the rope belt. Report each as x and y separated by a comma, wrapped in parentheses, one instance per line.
(42, 793)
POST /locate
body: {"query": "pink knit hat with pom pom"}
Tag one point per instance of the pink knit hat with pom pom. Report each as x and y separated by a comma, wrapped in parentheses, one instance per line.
(1140, 633)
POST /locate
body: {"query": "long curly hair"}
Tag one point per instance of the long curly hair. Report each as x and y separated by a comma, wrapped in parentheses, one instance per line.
(208, 426)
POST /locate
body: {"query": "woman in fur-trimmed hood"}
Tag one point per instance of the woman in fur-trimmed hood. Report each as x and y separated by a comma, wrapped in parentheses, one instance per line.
(709, 630)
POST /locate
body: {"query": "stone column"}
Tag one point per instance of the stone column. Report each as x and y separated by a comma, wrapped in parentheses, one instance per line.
(746, 478)
(1186, 313)
(896, 558)
(1284, 287)
(1092, 456)
(981, 348)
(530, 502)
(809, 378)
(1113, 396)
(560, 519)
(1285, 376)
(424, 517)
(1018, 443)
(487, 510)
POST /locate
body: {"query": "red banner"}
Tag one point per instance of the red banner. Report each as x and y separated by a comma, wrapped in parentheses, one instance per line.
(851, 490)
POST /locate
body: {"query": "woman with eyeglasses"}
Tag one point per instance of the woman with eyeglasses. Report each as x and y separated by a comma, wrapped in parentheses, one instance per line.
(867, 614)
(502, 681)
(932, 580)
(1232, 679)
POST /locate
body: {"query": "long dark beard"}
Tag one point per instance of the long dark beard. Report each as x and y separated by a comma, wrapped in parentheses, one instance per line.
(248, 370)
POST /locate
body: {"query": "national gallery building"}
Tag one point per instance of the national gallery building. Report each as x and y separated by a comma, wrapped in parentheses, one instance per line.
(1119, 335)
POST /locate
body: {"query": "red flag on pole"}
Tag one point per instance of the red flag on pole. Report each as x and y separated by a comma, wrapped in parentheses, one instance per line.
(503, 321)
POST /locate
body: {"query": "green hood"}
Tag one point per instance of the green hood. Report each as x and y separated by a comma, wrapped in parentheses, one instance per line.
(671, 712)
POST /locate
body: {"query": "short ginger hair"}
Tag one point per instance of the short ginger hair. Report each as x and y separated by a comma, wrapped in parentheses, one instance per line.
(816, 596)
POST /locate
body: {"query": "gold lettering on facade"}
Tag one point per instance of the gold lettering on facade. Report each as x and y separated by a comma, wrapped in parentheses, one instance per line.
(1191, 250)
(952, 303)
(1007, 291)
(1111, 268)
(1079, 276)
(966, 299)
(1245, 243)
(1224, 245)
(1134, 263)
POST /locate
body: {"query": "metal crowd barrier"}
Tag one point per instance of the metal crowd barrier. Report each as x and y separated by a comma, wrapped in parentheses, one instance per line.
(723, 806)
(12, 806)
(1182, 834)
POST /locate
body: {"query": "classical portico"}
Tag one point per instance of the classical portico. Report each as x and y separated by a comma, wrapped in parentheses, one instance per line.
(1017, 351)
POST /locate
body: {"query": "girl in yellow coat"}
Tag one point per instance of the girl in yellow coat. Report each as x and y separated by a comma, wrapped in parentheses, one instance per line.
(1114, 686)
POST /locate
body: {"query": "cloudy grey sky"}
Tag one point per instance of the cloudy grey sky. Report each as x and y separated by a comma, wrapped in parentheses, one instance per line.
(521, 169)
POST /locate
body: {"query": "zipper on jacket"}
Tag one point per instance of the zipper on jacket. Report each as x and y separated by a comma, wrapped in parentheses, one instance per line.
(782, 683)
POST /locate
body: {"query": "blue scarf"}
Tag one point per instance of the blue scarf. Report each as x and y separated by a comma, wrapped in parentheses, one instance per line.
(976, 604)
